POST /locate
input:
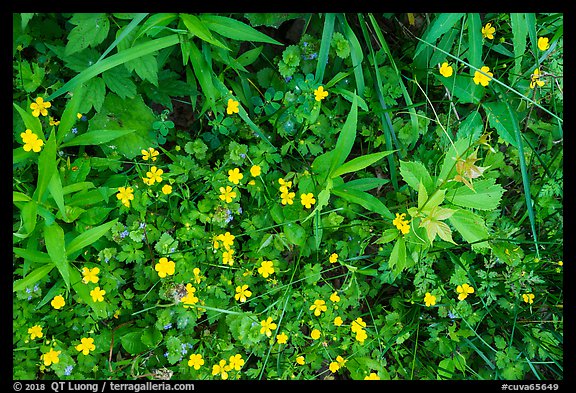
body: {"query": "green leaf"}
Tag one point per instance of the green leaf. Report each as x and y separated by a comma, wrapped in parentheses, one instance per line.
(71, 110)
(89, 237)
(250, 56)
(32, 278)
(46, 167)
(115, 60)
(55, 188)
(368, 201)
(475, 40)
(500, 119)
(463, 88)
(235, 29)
(91, 29)
(197, 28)
(295, 234)
(359, 163)
(151, 337)
(440, 25)
(397, 261)
(96, 137)
(32, 123)
(127, 115)
(471, 127)
(346, 139)
(519, 33)
(414, 172)
(29, 214)
(364, 184)
(94, 96)
(471, 226)
(433, 224)
(54, 238)
(119, 81)
(485, 196)
(203, 73)
(32, 255)
(327, 31)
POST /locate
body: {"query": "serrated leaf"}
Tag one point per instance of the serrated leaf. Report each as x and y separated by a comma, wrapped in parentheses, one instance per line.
(95, 92)
(471, 226)
(499, 118)
(126, 114)
(414, 172)
(91, 29)
(433, 224)
(119, 81)
(485, 196)
(397, 261)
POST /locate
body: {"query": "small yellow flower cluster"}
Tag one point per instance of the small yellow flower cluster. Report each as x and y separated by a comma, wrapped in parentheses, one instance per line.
(31, 141)
(190, 299)
(429, 299)
(227, 240)
(338, 364)
(287, 197)
(154, 175)
(235, 363)
(357, 327)
(528, 298)
(402, 224)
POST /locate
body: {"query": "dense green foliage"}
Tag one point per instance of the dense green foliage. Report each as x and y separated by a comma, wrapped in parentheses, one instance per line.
(288, 196)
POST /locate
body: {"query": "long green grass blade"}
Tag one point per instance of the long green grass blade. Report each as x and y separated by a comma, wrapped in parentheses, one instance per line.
(32, 278)
(127, 30)
(54, 237)
(345, 140)
(519, 33)
(525, 177)
(195, 26)
(235, 29)
(355, 53)
(46, 167)
(359, 163)
(324, 46)
(475, 40)
(115, 60)
(96, 137)
(440, 25)
(88, 237)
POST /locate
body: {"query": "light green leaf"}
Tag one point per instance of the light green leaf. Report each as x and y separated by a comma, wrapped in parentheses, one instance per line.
(368, 201)
(54, 237)
(55, 188)
(413, 173)
(440, 25)
(499, 118)
(197, 28)
(471, 226)
(32, 278)
(33, 255)
(397, 261)
(46, 167)
(359, 163)
(235, 29)
(96, 137)
(31, 122)
(295, 234)
(485, 196)
(346, 138)
(89, 237)
(364, 184)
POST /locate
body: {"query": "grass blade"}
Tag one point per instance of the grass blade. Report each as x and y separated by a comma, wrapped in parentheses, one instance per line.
(519, 32)
(324, 46)
(525, 178)
(345, 139)
(131, 26)
(355, 53)
(475, 40)
(54, 237)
